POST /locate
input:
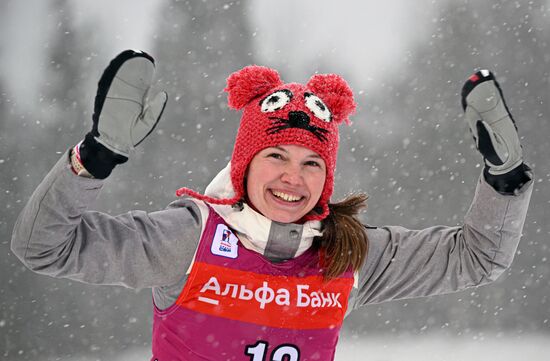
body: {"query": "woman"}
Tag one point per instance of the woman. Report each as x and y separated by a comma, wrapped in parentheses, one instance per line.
(263, 266)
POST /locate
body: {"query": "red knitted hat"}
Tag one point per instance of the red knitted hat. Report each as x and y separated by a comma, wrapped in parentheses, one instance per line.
(276, 113)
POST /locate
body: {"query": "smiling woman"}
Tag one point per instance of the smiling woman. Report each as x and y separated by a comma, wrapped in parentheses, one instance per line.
(285, 182)
(263, 266)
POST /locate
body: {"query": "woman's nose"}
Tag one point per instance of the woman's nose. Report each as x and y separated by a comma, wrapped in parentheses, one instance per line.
(292, 175)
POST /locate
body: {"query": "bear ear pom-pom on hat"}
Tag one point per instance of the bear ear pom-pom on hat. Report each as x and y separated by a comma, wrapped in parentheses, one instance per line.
(276, 113)
(248, 83)
(336, 94)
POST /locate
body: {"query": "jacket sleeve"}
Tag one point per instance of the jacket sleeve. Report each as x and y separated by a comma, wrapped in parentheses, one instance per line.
(56, 235)
(403, 263)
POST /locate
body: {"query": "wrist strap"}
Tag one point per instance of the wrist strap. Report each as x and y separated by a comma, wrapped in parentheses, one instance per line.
(98, 160)
(509, 183)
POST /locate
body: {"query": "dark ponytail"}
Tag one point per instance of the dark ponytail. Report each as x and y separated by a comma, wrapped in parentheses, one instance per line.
(344, 242)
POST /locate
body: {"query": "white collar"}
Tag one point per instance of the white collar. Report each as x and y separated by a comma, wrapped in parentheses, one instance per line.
(252, 227)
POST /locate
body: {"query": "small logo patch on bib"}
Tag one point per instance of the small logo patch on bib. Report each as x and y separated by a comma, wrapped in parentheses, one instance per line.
(224, 243)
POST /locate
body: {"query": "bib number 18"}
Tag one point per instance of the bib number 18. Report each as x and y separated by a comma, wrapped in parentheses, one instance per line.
(285, 352)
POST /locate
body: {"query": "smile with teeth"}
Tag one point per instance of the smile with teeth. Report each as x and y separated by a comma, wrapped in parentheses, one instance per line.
(285, 196)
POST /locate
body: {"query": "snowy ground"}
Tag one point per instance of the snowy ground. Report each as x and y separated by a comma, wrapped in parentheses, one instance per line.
(421, 348)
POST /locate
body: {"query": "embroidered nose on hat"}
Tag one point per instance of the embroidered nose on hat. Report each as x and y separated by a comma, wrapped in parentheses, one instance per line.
(277, 113)
(300, 120)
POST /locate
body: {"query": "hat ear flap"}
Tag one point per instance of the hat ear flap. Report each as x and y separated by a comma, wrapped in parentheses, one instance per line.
(336, 94)
(250, 82)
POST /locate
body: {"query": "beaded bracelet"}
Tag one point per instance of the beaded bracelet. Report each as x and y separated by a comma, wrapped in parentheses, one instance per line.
(76, 163)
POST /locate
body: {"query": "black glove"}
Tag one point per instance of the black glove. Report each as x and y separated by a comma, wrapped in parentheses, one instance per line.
(124, 112)
(494, 132)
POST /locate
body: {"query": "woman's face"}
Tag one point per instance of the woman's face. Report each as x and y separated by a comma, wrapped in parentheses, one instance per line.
(285, 182)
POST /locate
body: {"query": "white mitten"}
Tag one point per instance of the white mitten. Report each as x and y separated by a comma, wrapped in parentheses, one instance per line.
(491, 123)
(495, 133)
(124, 112)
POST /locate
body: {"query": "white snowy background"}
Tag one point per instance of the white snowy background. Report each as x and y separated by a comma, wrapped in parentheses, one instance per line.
(408, 148)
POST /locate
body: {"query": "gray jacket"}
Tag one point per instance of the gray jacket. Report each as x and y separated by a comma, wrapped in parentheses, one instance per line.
(57, 235)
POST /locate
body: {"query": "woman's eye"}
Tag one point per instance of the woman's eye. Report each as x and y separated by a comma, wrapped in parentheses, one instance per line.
(317, 107)
(276, 101)
(314, 163)
(275, 155)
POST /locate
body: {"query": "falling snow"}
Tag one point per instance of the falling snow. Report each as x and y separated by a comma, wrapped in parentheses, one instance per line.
(408, 148)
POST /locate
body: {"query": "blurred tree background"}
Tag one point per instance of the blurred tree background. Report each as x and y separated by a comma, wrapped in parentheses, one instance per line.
(408, 148)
